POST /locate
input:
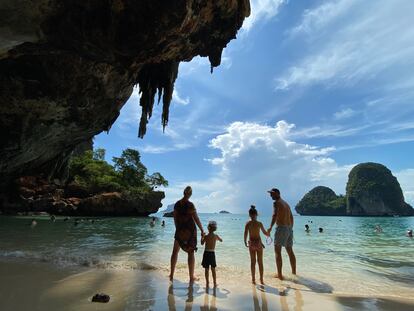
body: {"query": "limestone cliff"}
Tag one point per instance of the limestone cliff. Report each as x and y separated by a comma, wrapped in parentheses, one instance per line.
(67, 67)
(322, 201)
(373, 190)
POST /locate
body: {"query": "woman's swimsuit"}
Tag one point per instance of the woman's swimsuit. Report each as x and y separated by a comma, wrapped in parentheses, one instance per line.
(185, 228)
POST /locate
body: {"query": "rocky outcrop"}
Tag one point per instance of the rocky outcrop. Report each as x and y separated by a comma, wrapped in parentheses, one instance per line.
(67, 68)
(169, 211)
(322, 201)
(37, 195)
(372, 190)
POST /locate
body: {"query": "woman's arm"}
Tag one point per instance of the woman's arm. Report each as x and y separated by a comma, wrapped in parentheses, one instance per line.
(198, 222)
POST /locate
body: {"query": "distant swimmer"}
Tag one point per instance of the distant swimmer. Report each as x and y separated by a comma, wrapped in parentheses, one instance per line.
(152, 223)
(66, 219)
(307, 229)
(163, 223)
(378, 229)
(410, 233)
(320, 230)
(53, 218)
(33, 223)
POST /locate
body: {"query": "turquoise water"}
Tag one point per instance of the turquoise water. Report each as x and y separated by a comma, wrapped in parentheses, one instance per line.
(348, 258)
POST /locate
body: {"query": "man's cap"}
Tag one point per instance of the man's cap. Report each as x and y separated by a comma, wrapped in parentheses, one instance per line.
(275, 190)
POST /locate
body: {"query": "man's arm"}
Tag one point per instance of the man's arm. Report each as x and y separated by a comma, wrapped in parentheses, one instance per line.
(273, 218)
(218, 238)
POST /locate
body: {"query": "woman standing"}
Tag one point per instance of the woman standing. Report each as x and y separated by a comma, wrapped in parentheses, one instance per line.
(185, 219)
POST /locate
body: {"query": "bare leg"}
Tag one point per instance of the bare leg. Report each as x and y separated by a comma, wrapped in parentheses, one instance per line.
(253, 265)
(260, 262)
(278, 253)
(174, 257)
(292, 259)
(206, 275)
(191, 264)
(213, 272)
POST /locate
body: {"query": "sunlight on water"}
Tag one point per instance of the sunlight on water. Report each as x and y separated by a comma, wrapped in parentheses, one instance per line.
(349, 257)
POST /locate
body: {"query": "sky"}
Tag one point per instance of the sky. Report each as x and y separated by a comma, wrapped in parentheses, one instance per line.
(307, 90)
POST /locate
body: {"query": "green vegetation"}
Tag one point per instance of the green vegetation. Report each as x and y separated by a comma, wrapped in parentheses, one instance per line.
(374, 179)
(127, 175)
(322, 201)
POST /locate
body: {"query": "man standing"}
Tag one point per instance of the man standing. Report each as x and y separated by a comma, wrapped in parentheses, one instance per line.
(283, 218)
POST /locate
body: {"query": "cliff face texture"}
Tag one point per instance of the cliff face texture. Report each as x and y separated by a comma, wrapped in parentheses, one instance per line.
(37, 195)
(373, 190)
(67, 67)
(322, 201)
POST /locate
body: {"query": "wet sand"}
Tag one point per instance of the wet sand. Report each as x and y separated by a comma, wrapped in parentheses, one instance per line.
(39, 286)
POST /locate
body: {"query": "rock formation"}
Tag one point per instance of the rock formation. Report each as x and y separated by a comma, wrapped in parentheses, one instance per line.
(321, 201)
(37, 195)
(373, 190)
(67, 67)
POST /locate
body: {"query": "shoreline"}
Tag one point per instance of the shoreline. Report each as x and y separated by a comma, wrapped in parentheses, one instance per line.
(48, 287)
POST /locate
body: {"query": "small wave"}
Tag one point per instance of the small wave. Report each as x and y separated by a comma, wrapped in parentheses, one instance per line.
(83, 261)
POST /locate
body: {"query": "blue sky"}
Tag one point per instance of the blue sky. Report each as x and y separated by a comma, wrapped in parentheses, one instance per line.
(308, 89)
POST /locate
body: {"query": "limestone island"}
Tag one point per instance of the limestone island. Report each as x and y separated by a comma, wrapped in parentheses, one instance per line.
(224, 212)
(371, 190)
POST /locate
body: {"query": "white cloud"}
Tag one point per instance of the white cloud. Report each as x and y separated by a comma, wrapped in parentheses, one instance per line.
(254, 158)
(262, 10)
(180, 100)
(321, 16)
(374, 38)
(344, 114)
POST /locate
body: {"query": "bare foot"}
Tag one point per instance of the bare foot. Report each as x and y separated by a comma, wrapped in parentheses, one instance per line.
(193, 279)
(254, 281)
(171, 278)
(215, 284)
(280, 277)
(261, 281)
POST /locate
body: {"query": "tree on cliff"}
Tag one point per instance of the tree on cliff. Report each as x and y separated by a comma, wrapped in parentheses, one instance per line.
(321, 201)
(128, 174)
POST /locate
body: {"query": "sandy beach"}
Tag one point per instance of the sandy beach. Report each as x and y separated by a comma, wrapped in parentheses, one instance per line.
(40, 286)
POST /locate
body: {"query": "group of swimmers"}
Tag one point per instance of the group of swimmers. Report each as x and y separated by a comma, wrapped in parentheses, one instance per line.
(152, 223)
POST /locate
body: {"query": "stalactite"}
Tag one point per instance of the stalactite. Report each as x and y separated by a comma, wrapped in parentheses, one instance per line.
(155, 78)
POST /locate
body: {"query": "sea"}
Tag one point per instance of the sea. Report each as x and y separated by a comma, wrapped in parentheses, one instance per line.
(349, 258)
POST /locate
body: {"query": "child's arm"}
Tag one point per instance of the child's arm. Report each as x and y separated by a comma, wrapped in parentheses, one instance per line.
(218, 238)
(245, 234)
(266, 233)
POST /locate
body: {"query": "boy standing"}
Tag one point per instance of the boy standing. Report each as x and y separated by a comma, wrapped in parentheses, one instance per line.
(209, 256)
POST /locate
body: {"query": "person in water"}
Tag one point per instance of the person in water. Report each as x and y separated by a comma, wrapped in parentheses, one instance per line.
(163, 223)
(33, 223)
(320, 230)
(255, 245)
(410, 233)
(307, 229)
(185, 220)
(152, 223)
(209, 256)
(282, 216)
